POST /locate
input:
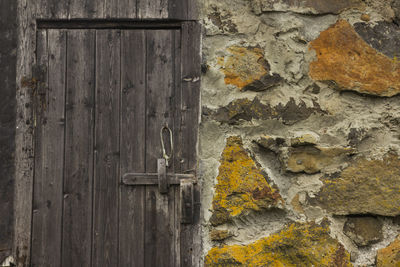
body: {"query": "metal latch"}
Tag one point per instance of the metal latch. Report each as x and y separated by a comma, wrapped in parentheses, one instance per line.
(164, 180)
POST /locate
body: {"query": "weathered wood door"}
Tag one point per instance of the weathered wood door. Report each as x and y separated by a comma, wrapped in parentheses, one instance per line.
(103, 96)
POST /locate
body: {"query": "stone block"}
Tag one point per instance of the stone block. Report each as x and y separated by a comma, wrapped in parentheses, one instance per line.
(307, 244)
(345, 59)
(389, 256)
(363, 230)
(246, 68)
(365, 187)
(241, 185)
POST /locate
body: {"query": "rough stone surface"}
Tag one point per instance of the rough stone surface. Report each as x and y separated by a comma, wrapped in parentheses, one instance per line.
(389, 256)
(296, 245)
(346, 59)
(363, 230)
(365, 187)
(246, 68)
(312, 159)
(219, 235)
(384, 36)
(307, 6)
(303, 154)
(396, 9)
(304, 139)
(241, 185)
(272, 143)
(296, 204)
(222, 21)
(246, 109)
(321, 130)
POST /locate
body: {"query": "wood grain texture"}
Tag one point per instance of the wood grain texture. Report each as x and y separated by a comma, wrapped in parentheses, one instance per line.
(127, 9)
(121, 9)
(178, 9)
(51, 9)
(190, 78)
(151, 9)
(49, 156)
(24, 134)
(176, 55)
(82, 9)
(8, 43)
(106, 183)
(133, 134)
(78, 171)
(159, 112)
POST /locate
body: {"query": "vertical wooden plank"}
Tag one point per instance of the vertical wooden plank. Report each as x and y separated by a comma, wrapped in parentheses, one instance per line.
(83, 9)
(110, 8)
(177, 137)
(193, 10)
(24, 163)
(191, 60)
(133, 136)
(8, 44)
(42, 9)
(107, 9)
(106, 176)
(177, 9)
(78, 172)
(56, 9)
(159, 233)
(127, 9)
(152, 9)
(49, 157)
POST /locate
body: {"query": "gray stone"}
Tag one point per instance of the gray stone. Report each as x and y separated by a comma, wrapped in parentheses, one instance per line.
(246, 109)
(384, 37)
(363, 230)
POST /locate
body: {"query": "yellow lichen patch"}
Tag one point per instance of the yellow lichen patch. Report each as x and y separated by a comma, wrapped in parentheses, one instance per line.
(296, 245)
(241, 185)
(243, 65)
(389, 256)
(345, 58)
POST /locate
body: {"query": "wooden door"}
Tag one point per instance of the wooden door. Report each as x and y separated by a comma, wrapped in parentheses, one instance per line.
(103, 96)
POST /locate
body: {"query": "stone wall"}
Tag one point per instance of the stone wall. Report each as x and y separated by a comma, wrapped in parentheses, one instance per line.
(300, 138)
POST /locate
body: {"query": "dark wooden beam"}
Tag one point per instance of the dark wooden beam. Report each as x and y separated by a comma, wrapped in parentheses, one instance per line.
(108, 24)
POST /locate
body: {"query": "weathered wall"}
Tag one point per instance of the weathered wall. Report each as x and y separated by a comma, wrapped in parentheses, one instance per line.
(300, 137)
(8, 33)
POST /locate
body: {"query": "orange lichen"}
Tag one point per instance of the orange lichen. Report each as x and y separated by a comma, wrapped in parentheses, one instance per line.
(296, 245)
(346, 59)
(241, 185)
(389, 256)
(243, 65)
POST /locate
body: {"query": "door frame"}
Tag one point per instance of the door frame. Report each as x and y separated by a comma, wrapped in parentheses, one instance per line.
(28, 79)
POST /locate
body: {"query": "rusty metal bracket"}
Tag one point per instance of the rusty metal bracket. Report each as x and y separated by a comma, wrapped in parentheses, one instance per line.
(187, 201)
(162, 176)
